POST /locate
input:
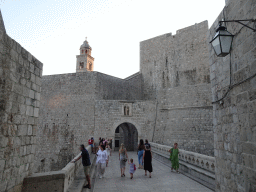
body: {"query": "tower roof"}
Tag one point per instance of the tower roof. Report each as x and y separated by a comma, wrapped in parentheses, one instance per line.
(85, 45)
(2, 27)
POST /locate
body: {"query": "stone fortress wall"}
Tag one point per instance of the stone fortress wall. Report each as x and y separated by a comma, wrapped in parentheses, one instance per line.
(77, 106)
(170, 100)
(68, 114)
(234, 121)
(20, 88)
(175, 73)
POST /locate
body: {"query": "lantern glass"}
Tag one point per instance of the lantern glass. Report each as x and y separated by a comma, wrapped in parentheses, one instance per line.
(222, 42)
(226, 41)
(216, 45)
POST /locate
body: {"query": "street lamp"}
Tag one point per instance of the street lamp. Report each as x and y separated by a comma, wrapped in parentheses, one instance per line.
(222, 41)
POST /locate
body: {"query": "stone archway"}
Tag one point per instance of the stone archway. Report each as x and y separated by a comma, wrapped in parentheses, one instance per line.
(126, 133)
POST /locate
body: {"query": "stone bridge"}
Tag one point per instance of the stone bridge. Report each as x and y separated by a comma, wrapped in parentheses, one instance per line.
(197, 174)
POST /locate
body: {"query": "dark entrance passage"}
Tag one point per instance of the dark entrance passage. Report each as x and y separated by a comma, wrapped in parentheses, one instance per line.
(127, 134)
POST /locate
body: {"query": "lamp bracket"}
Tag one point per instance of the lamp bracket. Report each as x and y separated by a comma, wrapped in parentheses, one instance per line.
(240, 22)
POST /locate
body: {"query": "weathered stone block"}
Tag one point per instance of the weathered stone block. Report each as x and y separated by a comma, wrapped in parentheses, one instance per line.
(26, 91)
(32, 68)
(22, 130)
(38, 80)
(3, 141)
(34, 87)
(29, 130)
(28, 101)
(37, 96)
(30, 111)
(36, 112)
(33, 78)
(32, 94)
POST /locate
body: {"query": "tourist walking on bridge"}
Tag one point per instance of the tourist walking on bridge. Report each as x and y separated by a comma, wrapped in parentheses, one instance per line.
(147, 159)
(102, 158)
(86, 163)
(123, 157)
(141, 148)
(132, 168)
(174, 157)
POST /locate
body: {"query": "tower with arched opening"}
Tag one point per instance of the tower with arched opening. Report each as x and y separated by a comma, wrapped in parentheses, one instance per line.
(85, 62)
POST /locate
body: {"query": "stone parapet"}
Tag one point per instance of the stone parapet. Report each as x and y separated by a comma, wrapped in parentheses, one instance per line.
(194, 165)
(58, 181)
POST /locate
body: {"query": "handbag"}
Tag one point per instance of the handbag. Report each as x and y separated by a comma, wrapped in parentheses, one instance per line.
(134, 167)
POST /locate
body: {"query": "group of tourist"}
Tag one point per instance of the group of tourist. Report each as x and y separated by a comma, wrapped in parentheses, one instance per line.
(144, 156)
(103, 151)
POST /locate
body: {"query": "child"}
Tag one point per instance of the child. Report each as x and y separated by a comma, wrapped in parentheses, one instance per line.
(132, 168)
(174, 157)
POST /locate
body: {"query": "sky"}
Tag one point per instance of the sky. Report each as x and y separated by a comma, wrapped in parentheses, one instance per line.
(53, 30)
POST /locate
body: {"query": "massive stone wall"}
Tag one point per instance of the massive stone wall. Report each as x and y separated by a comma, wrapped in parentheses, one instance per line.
(234, 119)
(67, 114)
(66, 118)
(175, 73)
(20, 87)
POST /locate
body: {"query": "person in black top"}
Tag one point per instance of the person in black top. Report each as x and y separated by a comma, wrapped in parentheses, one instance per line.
(147, 159)
(86, 163)
(146, 143)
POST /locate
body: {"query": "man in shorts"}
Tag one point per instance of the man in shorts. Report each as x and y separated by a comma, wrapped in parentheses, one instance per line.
(86, 163)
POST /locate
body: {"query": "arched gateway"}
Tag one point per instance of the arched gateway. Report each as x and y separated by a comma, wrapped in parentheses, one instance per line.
(127, 134)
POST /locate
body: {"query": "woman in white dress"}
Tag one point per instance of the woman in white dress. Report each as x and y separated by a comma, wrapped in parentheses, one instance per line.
(102, 158)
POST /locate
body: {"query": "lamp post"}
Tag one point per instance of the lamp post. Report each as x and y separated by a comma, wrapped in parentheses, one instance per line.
(222, 41)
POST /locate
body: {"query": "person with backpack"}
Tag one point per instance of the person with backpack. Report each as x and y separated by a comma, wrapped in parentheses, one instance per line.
(174, 157)
(86, 163)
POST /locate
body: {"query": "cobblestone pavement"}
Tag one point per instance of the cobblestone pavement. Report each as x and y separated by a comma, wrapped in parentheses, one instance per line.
(162, 179)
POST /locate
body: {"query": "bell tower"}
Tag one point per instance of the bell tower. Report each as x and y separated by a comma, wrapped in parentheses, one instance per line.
(84, 61)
